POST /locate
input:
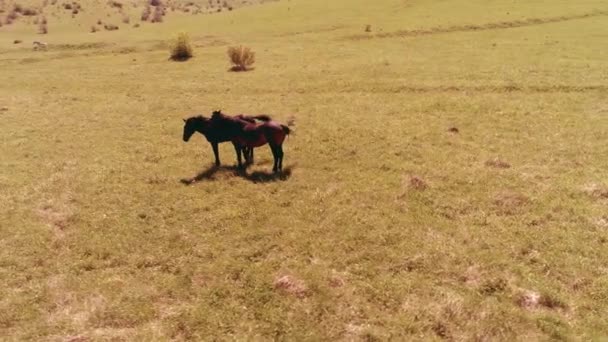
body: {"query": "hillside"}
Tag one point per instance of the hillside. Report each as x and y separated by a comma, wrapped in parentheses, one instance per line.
(447, 176)
(112, 15)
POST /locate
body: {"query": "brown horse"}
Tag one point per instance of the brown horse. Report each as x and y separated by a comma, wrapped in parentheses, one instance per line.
(215, 132)
(245, 134)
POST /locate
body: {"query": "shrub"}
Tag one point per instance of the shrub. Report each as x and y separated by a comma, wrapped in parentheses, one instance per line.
(10, 17)
(29, 12)
(93, 29)
(159, 12)
(181, 49)
(145, 15)
(125, 19)
(42, 27)
(155, 2)
(110, 27)
(241, 57)
(368, 28)
(115, 4)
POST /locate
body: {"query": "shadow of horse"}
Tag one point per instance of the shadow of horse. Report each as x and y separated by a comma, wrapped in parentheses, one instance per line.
(254, 177)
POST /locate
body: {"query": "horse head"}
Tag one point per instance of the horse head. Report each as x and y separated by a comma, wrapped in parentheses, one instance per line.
(194, 124)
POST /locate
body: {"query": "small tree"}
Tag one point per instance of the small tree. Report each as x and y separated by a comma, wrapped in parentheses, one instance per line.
(181, 49)
(42, 27)
(146, 13)
(159, 12)
(241, 57)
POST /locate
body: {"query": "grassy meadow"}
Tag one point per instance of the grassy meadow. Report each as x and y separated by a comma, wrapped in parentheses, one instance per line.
(447, 178)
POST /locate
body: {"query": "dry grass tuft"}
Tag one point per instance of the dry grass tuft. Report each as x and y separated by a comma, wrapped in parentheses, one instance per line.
(291, 285)
(497, 163)
(368, 28)
(42, 27)
(241, 57)
(110, 27)
(454, 130)
(508, 202)
(531, 300)
(115, 4)
(181, 50)
(11, 17)
(336, 280)
(417, 183)
(145, 15)
(492, 286)
(29, 12)
(472, 276)
(159, 12)
(596, 190)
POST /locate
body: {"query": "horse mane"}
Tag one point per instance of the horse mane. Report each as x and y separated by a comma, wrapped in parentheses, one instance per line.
(197, 118)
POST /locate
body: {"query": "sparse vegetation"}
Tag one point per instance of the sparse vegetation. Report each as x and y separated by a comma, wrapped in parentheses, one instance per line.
(42, 26)
(159, 12)
(181, 49)
(115, 4)
(110, 27)
(29, 12)
(145, 15)
(11, 17)
(241, 57)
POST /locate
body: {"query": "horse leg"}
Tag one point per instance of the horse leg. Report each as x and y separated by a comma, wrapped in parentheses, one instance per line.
(216, 153)
(238, 150)
(280, 150)
(275, 155)
(248, 154)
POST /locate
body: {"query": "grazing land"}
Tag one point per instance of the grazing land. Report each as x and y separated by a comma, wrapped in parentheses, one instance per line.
(447, 178)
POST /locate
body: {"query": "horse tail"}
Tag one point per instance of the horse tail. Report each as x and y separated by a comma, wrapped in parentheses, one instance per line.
(263, 117)
(286, 129)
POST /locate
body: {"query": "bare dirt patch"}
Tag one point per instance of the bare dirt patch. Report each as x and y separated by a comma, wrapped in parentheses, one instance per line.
(291, 285)
(509, 202)
(498, 164)
(596, 190)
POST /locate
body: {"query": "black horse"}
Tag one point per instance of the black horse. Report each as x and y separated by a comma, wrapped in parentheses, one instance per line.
(217, 131)
(245, 134)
